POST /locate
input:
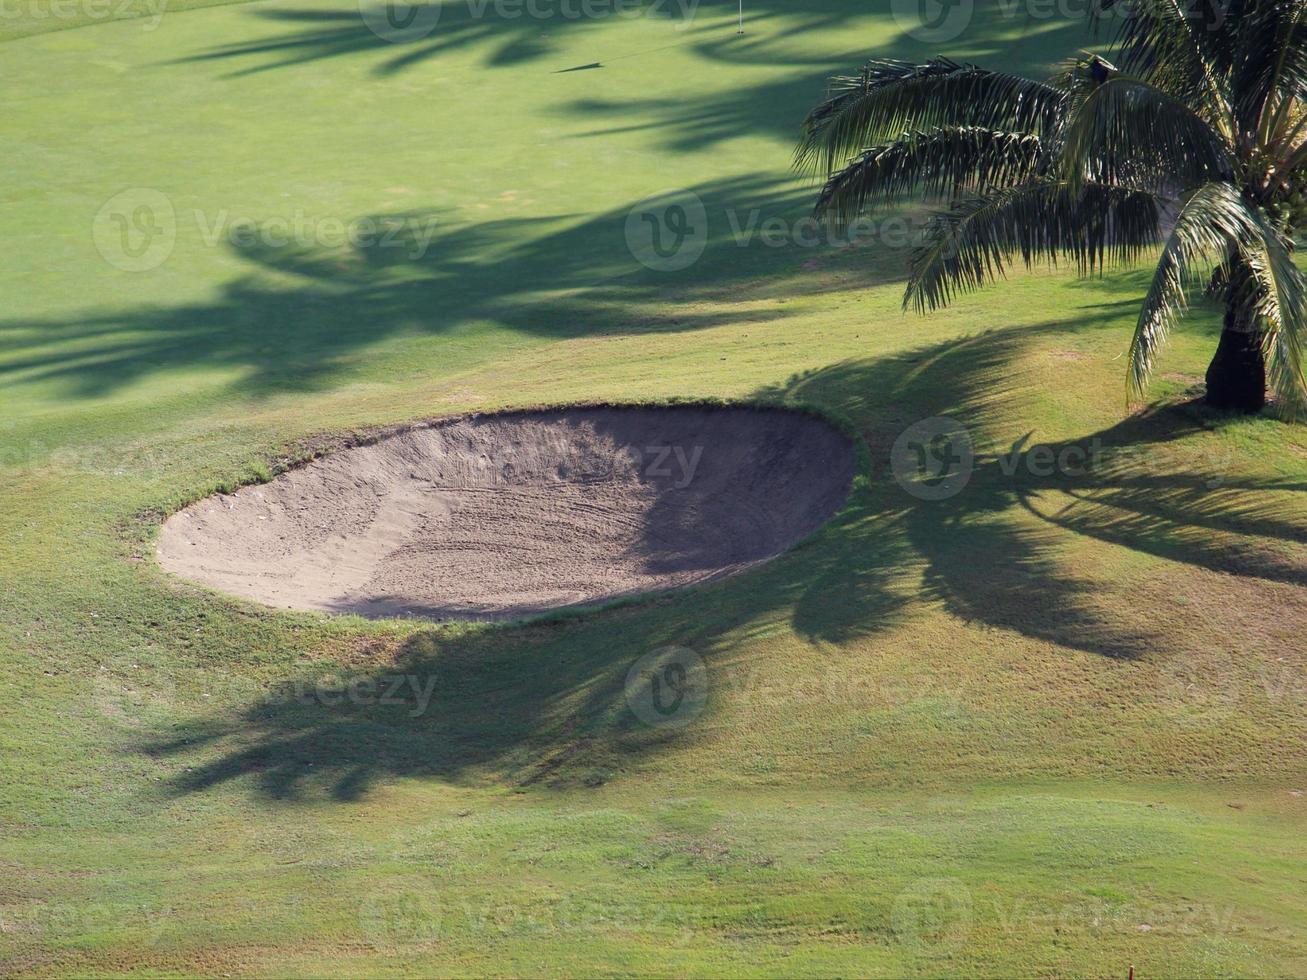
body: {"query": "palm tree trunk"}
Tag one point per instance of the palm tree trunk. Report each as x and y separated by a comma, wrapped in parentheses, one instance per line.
(1236, 378)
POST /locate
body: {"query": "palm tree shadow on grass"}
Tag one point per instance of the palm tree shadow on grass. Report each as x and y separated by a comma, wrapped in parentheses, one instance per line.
(994, 36)
(560, 277)
(995, 551)
(544, 704)
(415, 33)
(299, 318)
(510, 36)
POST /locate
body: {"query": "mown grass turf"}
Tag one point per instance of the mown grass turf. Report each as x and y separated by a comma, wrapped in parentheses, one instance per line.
(1051, 725)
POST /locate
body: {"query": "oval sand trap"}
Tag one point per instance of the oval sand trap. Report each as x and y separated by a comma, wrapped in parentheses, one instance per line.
(500, 516)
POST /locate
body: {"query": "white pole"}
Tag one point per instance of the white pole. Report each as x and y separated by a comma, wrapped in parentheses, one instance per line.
(741, 30)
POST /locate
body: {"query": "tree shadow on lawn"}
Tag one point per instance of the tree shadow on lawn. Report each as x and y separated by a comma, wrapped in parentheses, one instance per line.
(299, 319)
(558, 277)
(515, 32)
(994, 40)
(415, 33)
(1007, 37)
(544, 703)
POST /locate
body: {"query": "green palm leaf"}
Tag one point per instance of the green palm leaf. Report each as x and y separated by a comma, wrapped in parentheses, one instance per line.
(1210, 224)
(1208, 112)
(1182, 47)
(949, 161)
(1282, 307)
(1129, 132)
(1045, 219)
(893, 97)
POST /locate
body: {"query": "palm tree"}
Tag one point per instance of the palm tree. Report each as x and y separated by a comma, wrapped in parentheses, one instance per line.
(1193, 140)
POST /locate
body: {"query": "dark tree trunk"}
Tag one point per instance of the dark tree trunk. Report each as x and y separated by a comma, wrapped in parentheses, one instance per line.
(1236, 378)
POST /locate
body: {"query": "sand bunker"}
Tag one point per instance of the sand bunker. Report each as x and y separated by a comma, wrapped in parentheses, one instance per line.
(500, 516)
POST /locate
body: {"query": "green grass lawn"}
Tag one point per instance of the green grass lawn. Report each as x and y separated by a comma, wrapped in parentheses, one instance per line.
(1053, 725)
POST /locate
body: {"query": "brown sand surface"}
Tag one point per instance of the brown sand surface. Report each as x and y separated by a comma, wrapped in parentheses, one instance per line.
(499, 516)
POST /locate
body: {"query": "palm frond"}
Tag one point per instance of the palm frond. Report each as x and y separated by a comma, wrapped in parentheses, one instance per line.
(1217, 227)
(1208, 110)
(892, 97)
(1045, 219)
(1211, 219)
(944, 162)
(1184, 47)
(1129, 132)
(1270, 65)
(1284, 67)
(1282, 308)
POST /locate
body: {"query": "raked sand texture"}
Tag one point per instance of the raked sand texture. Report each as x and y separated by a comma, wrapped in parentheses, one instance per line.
(502, 516)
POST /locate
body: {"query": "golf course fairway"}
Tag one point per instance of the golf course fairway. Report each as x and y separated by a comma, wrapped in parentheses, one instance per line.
(1048, 720)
